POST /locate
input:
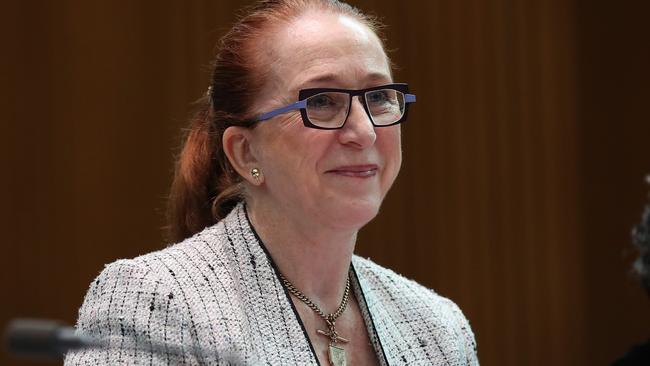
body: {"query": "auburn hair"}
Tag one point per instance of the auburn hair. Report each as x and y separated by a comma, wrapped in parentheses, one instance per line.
(205, 187)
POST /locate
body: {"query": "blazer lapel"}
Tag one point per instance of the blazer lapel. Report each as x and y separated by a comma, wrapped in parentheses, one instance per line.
(365, 296)
(281, 333)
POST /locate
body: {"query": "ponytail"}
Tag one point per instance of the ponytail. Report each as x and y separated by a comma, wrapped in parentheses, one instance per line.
(205, 186)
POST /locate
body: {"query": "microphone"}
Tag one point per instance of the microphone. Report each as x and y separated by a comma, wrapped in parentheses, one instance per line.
(51, 339)
(46, 339)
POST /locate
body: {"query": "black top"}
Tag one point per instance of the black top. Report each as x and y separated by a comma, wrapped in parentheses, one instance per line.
(637, 356)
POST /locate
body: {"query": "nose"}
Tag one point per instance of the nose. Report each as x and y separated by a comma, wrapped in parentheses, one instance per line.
(358, 130)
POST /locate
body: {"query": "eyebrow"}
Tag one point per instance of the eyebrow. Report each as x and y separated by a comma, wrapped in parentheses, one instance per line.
(322, 79)
(330, 78)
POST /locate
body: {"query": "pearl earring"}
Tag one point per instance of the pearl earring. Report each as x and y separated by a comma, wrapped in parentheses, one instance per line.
(256, 174)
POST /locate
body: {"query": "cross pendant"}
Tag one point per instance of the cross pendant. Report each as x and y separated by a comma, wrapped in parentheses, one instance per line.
(332, 335)
(336, 354)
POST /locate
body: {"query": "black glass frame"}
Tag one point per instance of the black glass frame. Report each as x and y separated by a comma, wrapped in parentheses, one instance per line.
(303, 94)
(306, 93)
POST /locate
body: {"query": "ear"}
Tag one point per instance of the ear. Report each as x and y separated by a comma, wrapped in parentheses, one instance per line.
(237, 147)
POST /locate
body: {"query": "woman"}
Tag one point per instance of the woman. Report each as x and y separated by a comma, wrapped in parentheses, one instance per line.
(296, 148)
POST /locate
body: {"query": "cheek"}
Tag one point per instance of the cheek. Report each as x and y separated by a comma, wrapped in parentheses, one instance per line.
(292, 150)
(296, 162)
(389, 144)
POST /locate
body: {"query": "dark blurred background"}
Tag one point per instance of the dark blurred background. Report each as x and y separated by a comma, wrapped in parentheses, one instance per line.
(523, 171)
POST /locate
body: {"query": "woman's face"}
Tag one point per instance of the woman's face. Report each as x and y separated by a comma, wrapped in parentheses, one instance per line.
(335, 178)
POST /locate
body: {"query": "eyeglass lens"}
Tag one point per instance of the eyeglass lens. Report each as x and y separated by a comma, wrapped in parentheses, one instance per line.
(330, 109)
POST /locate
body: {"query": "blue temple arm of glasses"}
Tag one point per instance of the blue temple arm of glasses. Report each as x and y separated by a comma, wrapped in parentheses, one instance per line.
(409, 98)
(287, 108)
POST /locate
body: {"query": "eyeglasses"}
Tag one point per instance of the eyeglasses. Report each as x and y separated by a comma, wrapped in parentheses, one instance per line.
(329, 108)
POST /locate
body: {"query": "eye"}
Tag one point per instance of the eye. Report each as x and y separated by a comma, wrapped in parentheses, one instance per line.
(322, 100)
(379, 96)
(386, 106)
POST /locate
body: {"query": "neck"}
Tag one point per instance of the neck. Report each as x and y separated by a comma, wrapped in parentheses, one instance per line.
(316, 260)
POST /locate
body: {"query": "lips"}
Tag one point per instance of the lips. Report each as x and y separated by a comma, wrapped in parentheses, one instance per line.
(356, 171)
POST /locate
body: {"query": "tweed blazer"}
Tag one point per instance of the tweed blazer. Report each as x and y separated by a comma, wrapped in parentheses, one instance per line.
(216, 299)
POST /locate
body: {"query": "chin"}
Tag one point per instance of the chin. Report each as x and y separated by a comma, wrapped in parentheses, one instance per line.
(356, 213)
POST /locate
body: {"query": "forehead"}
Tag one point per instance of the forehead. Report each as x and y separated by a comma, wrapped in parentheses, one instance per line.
(327, 48)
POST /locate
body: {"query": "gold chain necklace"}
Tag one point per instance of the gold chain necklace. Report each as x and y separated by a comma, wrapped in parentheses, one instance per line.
(336, 354)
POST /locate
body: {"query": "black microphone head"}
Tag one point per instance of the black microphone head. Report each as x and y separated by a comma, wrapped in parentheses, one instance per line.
(51, 339)
(38, 338)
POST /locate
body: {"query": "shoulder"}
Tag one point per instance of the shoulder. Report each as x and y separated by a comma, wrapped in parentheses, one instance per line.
(400, 288)
(209, 262)
(132, 308)
(163, 297)
(206, 254)
(163, 280)
(391, 282)
(188, 258)
(403, 301)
